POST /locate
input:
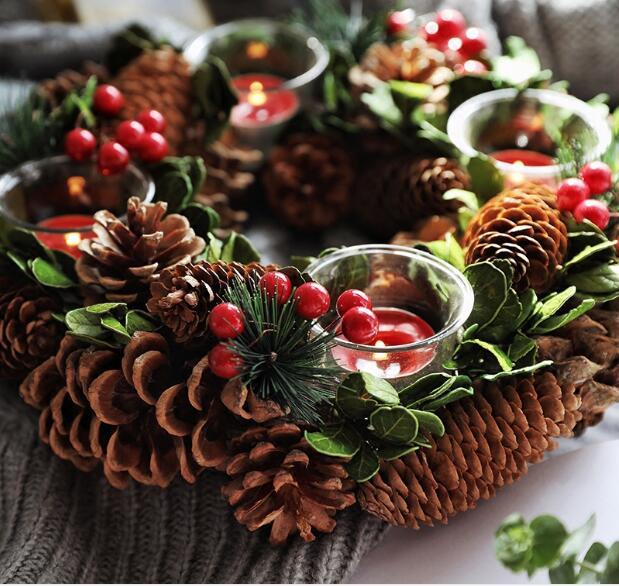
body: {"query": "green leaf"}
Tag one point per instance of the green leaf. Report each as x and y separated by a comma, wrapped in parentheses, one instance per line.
(429, 422)
(364, 465)
(394, 424)
(503, 325)
(411, 90)
(377, 388)
(486, 179)
(513, 543)
(516, 372)
(139, 321)
(468, 198)
(595, 554)
(528, 300)
(521, 346)
(339, 440)
(577, 540)
(112, 324)
(82, 322)
(448, 250)
(602, 252)
(47, 274)
(21, 263)
(490, 286)
(101, 308)
(352, 400)
(518, 65)
(450, 396)
(558, 321)
(175, 188)
(610, 575)
(484, 354)
(549, 534)
(551, 305)
(602, 280)
(564, 573)
(238, 248)
(426, 388)
(394, 452)
(380, 101)
(203, 219)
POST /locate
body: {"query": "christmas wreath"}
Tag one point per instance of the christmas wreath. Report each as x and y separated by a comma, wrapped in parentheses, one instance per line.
(168, 349)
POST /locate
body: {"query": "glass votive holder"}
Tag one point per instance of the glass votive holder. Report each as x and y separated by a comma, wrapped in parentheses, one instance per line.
(422, 304)
(523, 131)
(56, 198)
(273, 68)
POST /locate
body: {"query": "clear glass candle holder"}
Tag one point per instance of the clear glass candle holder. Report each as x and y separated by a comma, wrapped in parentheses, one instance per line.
(273, 67)
(401, 281)
(56, 198)
(523, 131)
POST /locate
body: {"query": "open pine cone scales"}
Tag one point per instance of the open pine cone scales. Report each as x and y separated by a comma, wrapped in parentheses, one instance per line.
(489, 442)
(120, 262)
(523, 226)
(56, 89)
(279, 481)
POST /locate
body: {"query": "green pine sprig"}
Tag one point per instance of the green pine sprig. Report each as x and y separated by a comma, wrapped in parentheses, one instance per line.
(283, 361)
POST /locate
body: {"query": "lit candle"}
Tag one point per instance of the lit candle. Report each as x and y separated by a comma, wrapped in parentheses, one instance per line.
(73, 232)
(523, 157)
(397, 327)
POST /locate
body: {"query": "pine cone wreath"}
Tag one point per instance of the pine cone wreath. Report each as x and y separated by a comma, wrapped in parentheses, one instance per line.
(56, 89)
(120, 262)
(393, 194)
(523, 226)
(586, 354)
(308, 180)
(279, 481)
(183, 296)
(489, 442)
(158, 79)
(29, 334)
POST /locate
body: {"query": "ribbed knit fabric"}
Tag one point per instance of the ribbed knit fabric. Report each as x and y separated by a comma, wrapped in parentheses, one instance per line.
(61, 525)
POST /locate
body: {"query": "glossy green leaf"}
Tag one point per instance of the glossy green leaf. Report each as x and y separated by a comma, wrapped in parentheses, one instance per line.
(409, 89)
(238, 248)
(364, 464)
(48, 275)
(600, 280)
(139, 321)
(82, 322)
(490, 286)
(454, 394)
(558, 321)
(528, 301)
(338, 440)
(549, 535)
(521, 346)
(517, 372)
(513, 543)
(429, 422)
(396, 425)
(101, 308)
(483, 355)
(551, 305)
(595, 554)
(610, 575)
(352, 399)
(602, 252)
(426, 387)
(504, 324)
(112, 324)
(448, 250)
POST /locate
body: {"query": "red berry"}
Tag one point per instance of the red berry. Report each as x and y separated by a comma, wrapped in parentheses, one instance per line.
(595, 211)
(152, 120)
(153, 147)
(598, 176)
(352, 298)
(108, 100)
(313, 300)
(276, 284)
(360, 325)
(450, 23)
(473, 42)
(223, 362)
(226, 321)
(571, 192)
(113, 158)
(130, 133)
(470, 66)
(79, 144)
(399, 21)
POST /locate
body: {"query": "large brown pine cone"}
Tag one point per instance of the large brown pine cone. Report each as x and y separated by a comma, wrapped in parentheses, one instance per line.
(100, 405)
(29, 334)
(523, 226)
(393, 194)
(120, 262)
(586, 354)
(182, 296)
(159, 79)
(56, 89)
(279, 481)
(489, 442)
(308, 180)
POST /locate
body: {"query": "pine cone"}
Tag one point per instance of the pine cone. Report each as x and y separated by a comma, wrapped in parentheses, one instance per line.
(56, 89)
(586, 354)
(120, 262)
(182, 296)
(489, 442)
(278, 480)
(158, 79)
(394, 193)
(523, 226)
(308, 180)
(29, 334)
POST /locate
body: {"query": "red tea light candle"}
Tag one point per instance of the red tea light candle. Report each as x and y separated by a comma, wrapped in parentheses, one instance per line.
(73, 232)
(262, 101)
(397, 327)
(523, 157)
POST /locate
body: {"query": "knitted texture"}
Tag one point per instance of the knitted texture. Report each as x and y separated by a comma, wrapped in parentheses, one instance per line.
(62, 525)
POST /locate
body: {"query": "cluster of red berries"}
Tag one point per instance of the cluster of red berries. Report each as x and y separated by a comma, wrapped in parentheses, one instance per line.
(574, 194)
(142, 137)
(359, 322)
(449, 33)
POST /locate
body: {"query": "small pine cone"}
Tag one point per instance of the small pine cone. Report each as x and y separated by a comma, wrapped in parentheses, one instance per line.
(523, 226)
(183, 296)
(29, 334)
(308, 180)
(278, 480)
(56, 89)
(393, 194)
(490, 440)
(158, 79)
(125, 257)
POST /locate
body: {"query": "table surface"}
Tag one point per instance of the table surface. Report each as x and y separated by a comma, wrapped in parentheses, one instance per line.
(571, 486)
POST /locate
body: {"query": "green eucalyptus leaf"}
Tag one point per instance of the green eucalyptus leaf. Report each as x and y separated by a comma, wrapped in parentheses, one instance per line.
(49, 275)
(577, 540)
(558, 321)
(377, 388)
(549, 535)
(352, 399)
(429, 422)
(364, 464)
(513, 543)
(610, 575)
(339, 440)
(25, 242)
(467, 198)
(80, 321)
(388, 453)
(563, 573)
(595, 554)
(20, 262)
(490, 286)
(396, 425)
(175, 188)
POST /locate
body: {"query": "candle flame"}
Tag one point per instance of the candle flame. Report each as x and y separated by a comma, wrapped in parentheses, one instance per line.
(379, 356)
(257, 50)
(73, 239)
(256, 96)
(76, 186)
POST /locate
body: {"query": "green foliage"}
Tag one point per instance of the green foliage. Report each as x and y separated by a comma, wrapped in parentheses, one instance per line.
(374, 421)
(448, 250)
(108, 325)
(281, 360)
(519, 66)
(128, 44)
(545, 543)
(178, 180)
(486, 179)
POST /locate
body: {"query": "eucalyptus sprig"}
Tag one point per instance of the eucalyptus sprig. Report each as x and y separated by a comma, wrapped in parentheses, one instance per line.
(545, 543)
(373, 421)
